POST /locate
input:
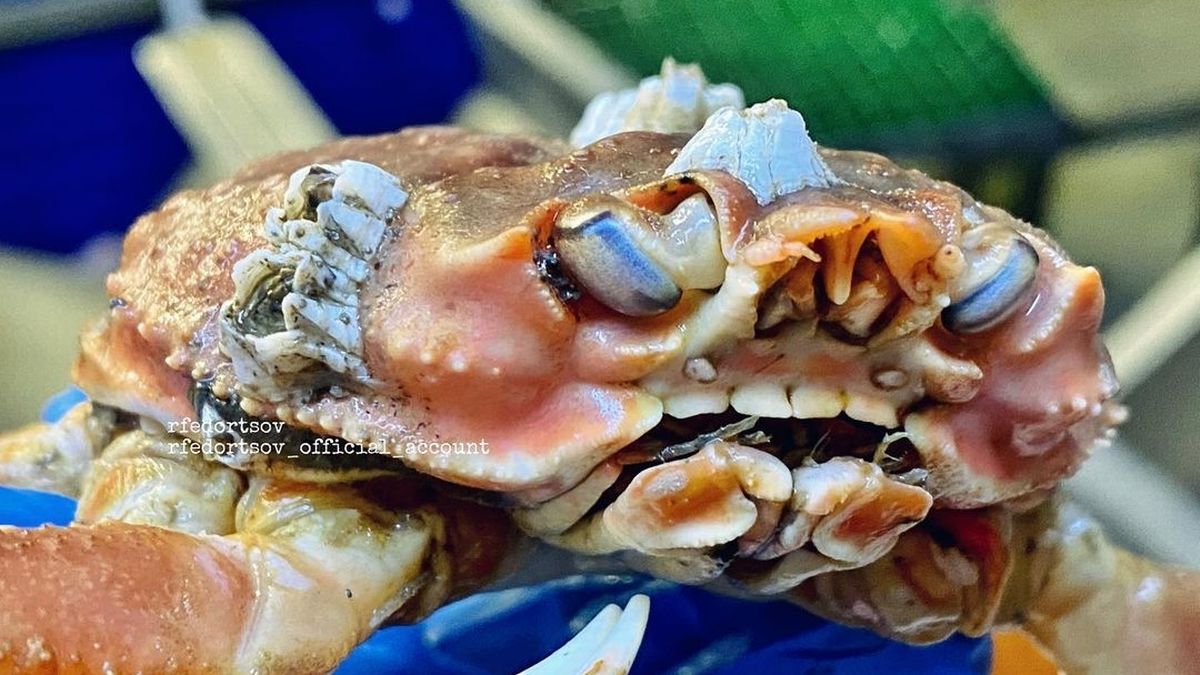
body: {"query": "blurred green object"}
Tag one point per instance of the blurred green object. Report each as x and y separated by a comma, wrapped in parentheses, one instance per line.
(858, 69)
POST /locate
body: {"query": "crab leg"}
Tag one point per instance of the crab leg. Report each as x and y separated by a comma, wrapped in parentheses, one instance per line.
(1097, 608)
(54, 457)
(293, 592)
(304, 574)
(1100, 609)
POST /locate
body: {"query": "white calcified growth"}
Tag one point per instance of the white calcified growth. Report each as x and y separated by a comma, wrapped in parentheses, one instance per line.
(607, 644)
(678, 100)
(766, 146)
(331, 225)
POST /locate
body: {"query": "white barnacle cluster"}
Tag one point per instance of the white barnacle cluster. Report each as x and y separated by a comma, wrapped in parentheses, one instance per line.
(766, 146)
(678, 100)
(293, 322)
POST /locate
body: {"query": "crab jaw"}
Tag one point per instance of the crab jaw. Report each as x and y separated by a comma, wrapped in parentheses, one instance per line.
(722, 506)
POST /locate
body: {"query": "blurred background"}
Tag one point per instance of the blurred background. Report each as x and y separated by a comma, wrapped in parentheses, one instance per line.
(1082, 116)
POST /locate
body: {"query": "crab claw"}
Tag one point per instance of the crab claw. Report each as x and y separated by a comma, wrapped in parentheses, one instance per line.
(608, 644)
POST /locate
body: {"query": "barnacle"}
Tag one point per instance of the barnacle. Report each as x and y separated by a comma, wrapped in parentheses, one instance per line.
(679, 99)
(293, 322)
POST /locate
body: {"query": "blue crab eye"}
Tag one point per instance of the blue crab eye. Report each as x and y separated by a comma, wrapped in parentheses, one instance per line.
(997, 296)
(601, 251)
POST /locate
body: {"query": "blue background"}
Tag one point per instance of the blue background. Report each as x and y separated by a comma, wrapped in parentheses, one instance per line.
(76, 112)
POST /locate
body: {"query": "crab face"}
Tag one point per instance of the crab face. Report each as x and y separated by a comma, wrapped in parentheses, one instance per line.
(509, 314)
(554, 313)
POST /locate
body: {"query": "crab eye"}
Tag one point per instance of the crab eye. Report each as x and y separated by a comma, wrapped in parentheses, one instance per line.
(988, 299)
(600, 247)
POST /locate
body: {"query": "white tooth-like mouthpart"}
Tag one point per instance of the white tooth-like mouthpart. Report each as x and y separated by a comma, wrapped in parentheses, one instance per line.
(677, 100)
(766, 146)
(765, 399)
(332, 223)
(607, 645)
(872, 411)
(575, 655)
(696, 402)
(815, 402)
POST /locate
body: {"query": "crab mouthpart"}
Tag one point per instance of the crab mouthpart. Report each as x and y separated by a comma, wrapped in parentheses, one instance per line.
(694, 498)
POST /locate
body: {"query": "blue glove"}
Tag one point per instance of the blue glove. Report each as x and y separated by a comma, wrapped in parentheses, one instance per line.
(27, 508)
(690, 630)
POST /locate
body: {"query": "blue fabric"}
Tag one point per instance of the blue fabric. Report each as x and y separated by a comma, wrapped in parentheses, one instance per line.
(76, 112)
(27, 508)
(690, 631)
(60, 403)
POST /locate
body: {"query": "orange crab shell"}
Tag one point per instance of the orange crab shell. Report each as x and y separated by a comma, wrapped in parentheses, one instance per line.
(469, 345)
(457, 262)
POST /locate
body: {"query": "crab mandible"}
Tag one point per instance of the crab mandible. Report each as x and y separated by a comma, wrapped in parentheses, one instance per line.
(348, 381)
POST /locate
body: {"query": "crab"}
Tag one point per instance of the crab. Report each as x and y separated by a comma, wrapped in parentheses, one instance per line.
(355, 382)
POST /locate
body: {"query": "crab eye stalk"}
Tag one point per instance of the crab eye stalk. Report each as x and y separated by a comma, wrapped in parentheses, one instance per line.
(600, 248)
(635, 261)
(1000, 276)
(689, 247)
